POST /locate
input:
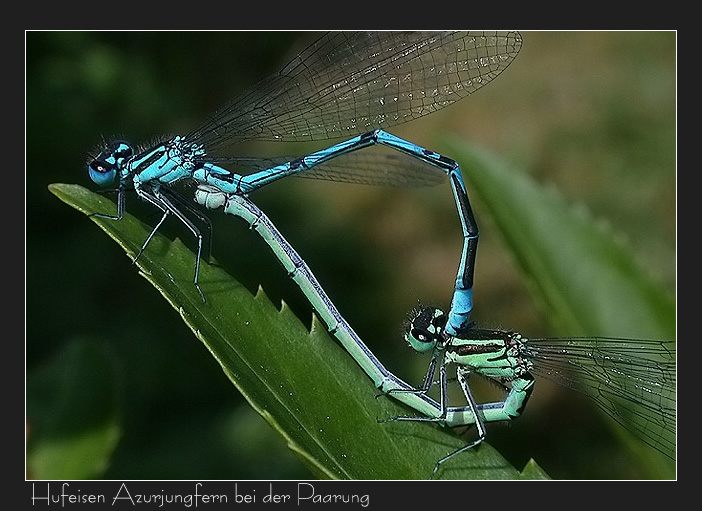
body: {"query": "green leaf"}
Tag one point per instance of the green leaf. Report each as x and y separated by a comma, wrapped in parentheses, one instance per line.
(302, 383)
(73, 409)
(587, 281)
(532, 470)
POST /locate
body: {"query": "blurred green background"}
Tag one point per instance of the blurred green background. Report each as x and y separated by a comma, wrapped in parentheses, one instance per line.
(589, 113)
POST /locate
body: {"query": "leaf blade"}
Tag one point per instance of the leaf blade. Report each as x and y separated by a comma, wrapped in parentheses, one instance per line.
(302, 382)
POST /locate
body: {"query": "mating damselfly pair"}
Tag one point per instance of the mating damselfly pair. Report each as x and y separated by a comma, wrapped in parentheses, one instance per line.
(355, 86)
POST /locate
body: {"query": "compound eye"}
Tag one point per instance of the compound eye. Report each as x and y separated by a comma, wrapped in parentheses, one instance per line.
(420, 339)
(420, 335)
(101, 172)
(100, 166)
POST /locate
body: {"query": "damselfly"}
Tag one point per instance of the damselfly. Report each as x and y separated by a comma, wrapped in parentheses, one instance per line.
(631, 380)
(346, 84)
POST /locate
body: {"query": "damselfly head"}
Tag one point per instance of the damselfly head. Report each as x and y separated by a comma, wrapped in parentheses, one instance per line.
(104, 168)
(425, 329)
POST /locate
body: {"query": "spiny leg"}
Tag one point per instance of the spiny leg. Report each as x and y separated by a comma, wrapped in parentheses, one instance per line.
(426, 383)
(120, 213)
(186, 205)
(443, 398)
(153, 200)
(161, 201)
(120, 206)
(151, 235)
(186, 221)
(462, 375)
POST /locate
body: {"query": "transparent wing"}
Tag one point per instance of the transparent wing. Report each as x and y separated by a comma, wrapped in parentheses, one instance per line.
(369, 167)
(347, 83)
(633, 381)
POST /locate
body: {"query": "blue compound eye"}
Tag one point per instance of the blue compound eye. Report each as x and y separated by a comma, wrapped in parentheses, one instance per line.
(102, 173)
